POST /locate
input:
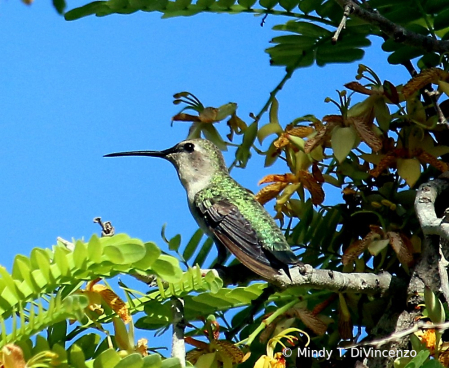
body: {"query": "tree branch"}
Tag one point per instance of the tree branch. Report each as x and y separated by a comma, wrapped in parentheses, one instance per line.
(425, 208)
(395, 31)
(178, 345)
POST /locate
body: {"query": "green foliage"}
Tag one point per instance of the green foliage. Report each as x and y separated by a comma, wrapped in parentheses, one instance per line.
(46, 270)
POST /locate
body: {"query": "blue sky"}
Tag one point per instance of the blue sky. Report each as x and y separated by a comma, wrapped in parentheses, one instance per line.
(74, 91)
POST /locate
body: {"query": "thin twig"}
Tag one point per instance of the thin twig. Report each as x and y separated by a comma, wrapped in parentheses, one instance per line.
(395, 31)
(342, 24)
(396, 336)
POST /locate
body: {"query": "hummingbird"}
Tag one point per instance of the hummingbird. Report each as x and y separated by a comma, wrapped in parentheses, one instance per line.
(226, 211)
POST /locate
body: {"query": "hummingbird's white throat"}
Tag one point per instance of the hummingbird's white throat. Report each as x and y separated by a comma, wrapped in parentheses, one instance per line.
(196, 169)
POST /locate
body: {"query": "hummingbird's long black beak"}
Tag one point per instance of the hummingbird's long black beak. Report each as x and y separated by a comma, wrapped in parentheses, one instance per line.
(162, 154)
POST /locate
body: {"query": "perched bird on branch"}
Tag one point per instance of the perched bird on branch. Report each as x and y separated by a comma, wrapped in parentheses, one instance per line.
(225, 210)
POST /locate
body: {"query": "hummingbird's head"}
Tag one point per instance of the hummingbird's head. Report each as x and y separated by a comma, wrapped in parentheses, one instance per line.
(196, 160)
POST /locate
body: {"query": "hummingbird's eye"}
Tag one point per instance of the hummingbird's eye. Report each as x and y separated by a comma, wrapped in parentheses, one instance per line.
(189, 147)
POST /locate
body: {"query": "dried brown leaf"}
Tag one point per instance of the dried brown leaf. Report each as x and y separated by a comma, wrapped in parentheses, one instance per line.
(208, 115)
(427, 158)
(193, 355)
(185, 117)
(12, 356)
(229, 349)
(267, 332)
(363, 127)
(443, 356)
(269, 192)
(385, 163)
(426, 76)
(311, 321)
(358, 247)
(282, 141)
(357, 87)
(312, 186)
(402, 249)
(345, 326)
(283, 178)
(302, 131)
(114, 301)
(317, 174)
(336, 119)
(323, 305)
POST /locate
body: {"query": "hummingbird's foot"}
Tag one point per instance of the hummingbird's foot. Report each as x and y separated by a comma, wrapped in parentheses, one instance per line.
(301, 267)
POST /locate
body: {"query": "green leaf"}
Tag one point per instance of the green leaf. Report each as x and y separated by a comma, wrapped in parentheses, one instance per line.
(22, 270)
(226, 4)
(108, 358)
(167, 267)
(432, 363)
(157, 315)
(268, 4)
(331, 10)
(435, 6)
(324, 57)
(377, 246)
(243, 152)
(291, 56)
(131, 361)
(126, 252)
(404, 54)
(419, 359)
(80, 254)
(214, 282)
(88, 344)
(76, 356)
(434, 307)
(117, 5)
(57, 333)
(62, 261)
(410, 170)
(205, 3)
(441, 20)
(288, 5)
(247, 3)
(152, 361)
(171, 363)
(152, 253)
(211, 133)
(177, 5)
(174, 242)
(202, 254)
(95, 249)
(89, 9)
(308, 6)
(59, 5)
(192, 245)
(303, 42)
(149, 5)
(429, 60)
(391, 45)
(343, 141)
(403, 14)
(304, 28)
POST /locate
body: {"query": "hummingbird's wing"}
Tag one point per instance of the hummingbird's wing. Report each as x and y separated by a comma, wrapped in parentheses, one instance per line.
(232, 230)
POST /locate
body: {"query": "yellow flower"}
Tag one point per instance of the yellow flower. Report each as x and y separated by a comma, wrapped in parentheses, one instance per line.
(277, 360)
